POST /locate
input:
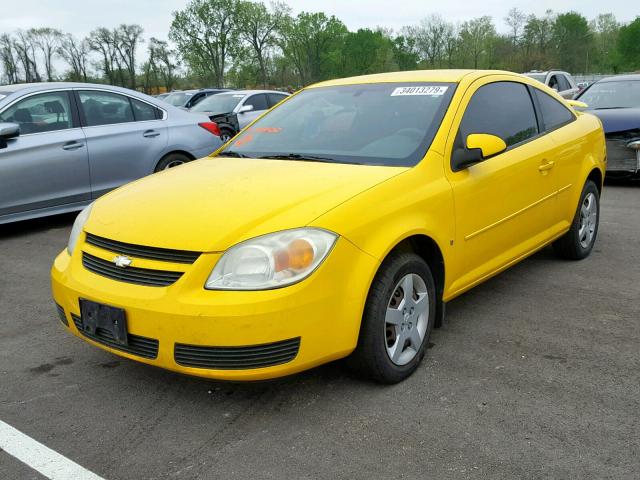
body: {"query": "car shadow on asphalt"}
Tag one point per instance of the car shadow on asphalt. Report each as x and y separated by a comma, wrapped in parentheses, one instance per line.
(37, 225)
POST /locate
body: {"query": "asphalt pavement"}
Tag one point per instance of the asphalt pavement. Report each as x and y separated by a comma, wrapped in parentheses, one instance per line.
(536, 374)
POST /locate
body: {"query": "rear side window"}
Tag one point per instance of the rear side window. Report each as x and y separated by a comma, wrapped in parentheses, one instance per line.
(105, 108)
(44, 112)
(563, 83)
(143, 111)
(503, 109)
(259, 102)
(554, 114)
(275, 98)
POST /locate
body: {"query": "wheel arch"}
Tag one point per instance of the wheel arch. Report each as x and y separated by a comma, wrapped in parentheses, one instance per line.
(428, 249)
(182, 152)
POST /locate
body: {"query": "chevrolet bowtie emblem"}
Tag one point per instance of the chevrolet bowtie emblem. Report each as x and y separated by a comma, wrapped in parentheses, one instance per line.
(122, 261)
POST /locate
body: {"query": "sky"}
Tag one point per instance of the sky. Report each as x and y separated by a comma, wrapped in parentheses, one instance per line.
(81, 16)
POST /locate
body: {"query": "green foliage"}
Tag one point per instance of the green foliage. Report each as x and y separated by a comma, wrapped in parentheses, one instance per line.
(572, 40)
(629, 45)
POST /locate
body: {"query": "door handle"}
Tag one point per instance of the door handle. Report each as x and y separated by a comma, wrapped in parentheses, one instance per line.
(150, 134)
(72, 145)
(547, 165)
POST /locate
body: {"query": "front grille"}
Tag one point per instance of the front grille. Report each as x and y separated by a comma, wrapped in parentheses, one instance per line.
(141, 346)
(139, 276)
(621, 158)
(141, 251)
(237, 358)
(61, 315)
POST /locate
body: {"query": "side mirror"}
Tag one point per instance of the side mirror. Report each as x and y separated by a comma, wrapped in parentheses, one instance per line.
(577, 104)
(245, 108)
(7, 132)
(479, 147)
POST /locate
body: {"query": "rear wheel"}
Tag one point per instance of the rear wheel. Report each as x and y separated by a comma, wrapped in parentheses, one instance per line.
(226, 135)
(172, 160)
(397, 321)
(578, 242)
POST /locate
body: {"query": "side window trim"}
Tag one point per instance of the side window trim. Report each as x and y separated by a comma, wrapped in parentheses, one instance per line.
(543, 130)
(515, 145)
(75, 120)
(82, 121)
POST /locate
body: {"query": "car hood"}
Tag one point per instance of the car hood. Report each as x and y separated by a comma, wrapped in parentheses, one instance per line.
(618, 119)
(211, 204)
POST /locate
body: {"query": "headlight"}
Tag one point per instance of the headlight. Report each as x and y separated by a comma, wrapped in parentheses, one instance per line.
(78, 225)
(271, 261)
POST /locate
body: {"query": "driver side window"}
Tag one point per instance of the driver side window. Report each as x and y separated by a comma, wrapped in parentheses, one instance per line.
(503, 109)
(44, 112)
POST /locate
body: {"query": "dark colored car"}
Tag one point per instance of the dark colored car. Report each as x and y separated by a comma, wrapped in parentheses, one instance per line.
(189, 98)
(616, 101)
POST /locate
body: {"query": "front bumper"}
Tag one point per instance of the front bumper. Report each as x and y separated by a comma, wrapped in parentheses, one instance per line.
(620, 158)
(322, 314)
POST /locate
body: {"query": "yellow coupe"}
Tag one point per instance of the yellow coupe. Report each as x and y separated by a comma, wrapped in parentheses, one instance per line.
(336, 225)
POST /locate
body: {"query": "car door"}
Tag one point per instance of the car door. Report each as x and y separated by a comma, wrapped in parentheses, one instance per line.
(259, 103)
(126, 137)
(46, 165)
(505, 205)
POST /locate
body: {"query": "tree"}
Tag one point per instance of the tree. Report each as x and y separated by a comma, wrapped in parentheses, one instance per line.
(538, 36)
(103, 41)
(162, 60)
(629, 44)
(476, 36)
(205, 33)
(24, 46)
(127, 39)
(8, 58)
(47, 41)
(430, 38)
(516, 21)
(75, 52)
(572, 40)
(313, 43)
(257, 26)
(366, 51)
(605, 28)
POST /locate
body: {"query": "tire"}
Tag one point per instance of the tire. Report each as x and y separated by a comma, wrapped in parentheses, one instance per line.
(578, 242)
(226, 134)
(172, 160)
(375, 356)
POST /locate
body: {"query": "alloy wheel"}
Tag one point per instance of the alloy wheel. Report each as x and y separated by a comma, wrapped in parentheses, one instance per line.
(588, 220)
(406, 319)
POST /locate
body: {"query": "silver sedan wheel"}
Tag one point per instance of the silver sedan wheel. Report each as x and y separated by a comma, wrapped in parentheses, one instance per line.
(406, 319)
(225, 137)
(175, 163)
(588, 220)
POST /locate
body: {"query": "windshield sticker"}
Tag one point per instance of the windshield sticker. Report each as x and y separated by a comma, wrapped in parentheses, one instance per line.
(425, 90)
(237, 96)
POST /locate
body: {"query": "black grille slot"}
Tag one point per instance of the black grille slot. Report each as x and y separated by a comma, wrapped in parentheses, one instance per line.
(61, 315)
(140, 251)
(139, 276)
(237, 358)
(141, 346)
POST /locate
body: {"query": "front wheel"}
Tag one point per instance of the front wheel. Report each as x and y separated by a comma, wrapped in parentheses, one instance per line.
(578, 242)
(172, 160)
(397, 321)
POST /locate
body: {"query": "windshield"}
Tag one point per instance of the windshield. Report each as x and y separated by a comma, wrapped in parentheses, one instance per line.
(220, 103)
(373, 124)
(178, 99)
(617, 94)
(541, 77)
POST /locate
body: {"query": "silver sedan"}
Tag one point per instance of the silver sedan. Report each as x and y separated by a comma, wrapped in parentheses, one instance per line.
(64, 144)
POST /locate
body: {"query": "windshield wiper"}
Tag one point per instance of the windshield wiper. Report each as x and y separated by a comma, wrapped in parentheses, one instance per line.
(305, 158)
(609, 108)
(232, 153)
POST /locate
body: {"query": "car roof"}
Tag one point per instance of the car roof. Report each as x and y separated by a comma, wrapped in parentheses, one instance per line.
(435, 76)
(616, 78)
(34, 87)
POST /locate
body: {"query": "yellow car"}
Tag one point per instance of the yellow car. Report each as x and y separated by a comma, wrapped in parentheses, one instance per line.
(336, 225)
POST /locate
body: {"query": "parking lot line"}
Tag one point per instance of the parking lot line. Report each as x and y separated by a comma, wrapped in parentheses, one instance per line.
(49, 463)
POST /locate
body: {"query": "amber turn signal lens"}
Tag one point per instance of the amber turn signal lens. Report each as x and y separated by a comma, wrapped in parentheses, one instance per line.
(298, 255)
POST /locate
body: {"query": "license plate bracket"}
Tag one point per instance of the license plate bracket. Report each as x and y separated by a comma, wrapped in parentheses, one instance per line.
(96, 316)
